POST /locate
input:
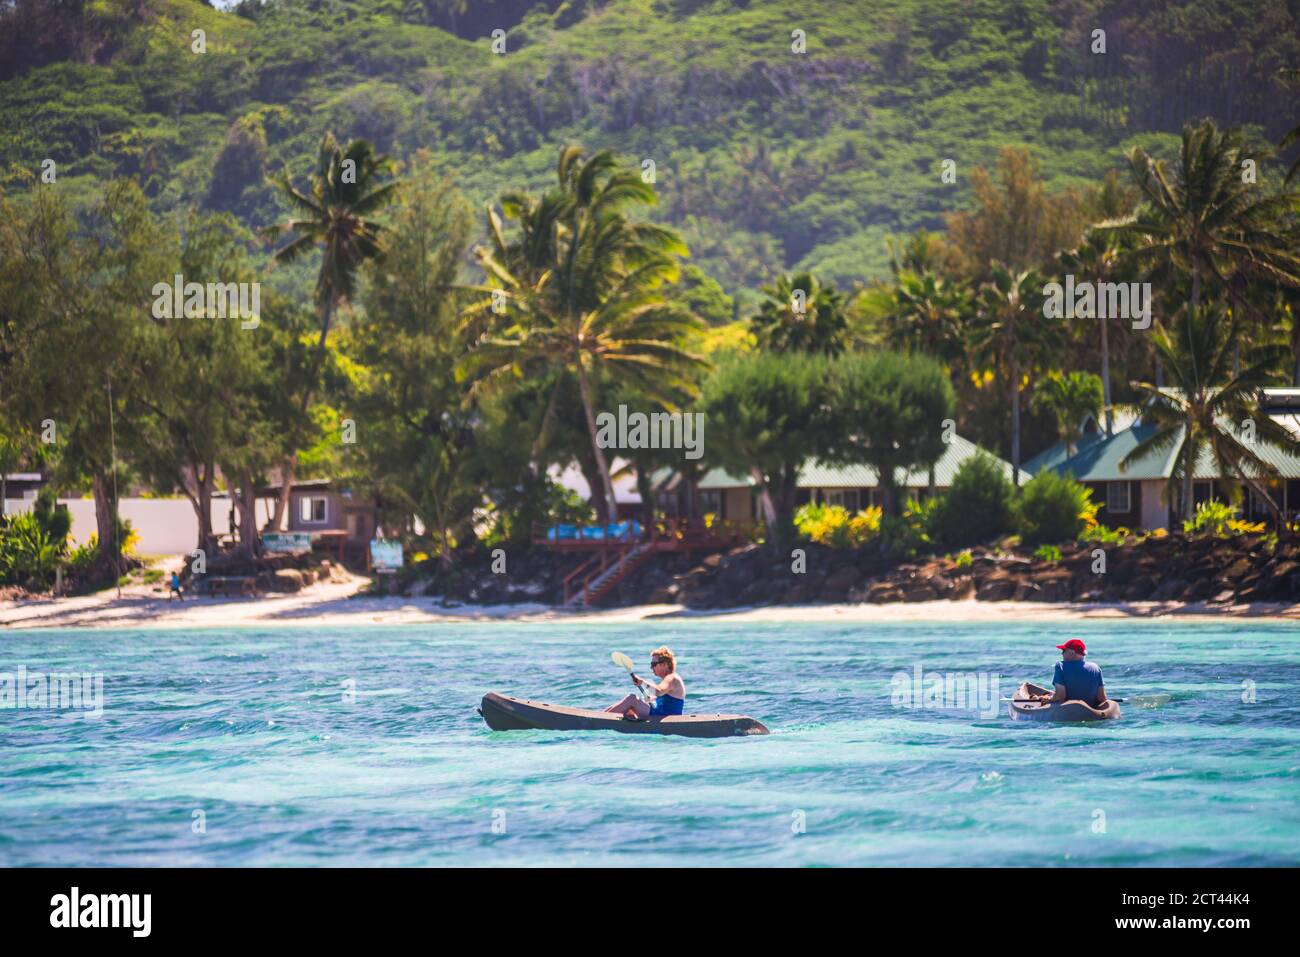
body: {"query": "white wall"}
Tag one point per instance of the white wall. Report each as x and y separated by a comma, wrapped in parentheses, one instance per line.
(167, 526)
(1155, 513)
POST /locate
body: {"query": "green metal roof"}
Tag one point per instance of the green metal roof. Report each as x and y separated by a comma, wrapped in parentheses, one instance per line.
(815, 474)
(1123, 418)
(1100, 462)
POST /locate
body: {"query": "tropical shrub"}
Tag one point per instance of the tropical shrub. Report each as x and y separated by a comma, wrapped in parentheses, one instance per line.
(1054, 508)
(1099, 534)
(833, 525)
(1047, 553)
(979, 506)
(1217, 519)
(28, 556)
(912, 533)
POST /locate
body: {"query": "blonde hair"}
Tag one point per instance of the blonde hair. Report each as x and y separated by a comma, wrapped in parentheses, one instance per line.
(663, 652)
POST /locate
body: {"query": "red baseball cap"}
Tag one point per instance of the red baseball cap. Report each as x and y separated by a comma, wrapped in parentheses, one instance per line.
(1075, 645)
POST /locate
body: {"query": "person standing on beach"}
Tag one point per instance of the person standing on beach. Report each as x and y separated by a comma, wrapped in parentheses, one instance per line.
(175, 588)
(1075, 679)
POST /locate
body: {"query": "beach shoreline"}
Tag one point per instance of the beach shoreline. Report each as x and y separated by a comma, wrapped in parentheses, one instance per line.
(342, 603)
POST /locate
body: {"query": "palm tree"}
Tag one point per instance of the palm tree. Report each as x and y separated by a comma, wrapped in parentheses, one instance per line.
(1012, 334)
(1202, 221)
(336, 216)
(801, 314)
(1201, 414)
(1099, 258)
(583, 289)
(927, 316)
(1069, 398)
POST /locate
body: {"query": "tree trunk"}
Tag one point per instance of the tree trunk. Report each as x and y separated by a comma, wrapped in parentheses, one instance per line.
(888, 495)
(1105, 378)
(611, 506)
(1189, 510)
(1295, 345)
(204, 508)
(1015, 421)
(289, 468)
(766, 505)
(106, 522)
(592, 475)
(248, 541)
(646, 491)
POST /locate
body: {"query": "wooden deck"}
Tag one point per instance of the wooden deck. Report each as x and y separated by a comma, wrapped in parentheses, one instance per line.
(614, 557)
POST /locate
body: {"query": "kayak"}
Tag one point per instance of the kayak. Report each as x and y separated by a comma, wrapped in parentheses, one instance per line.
(504, 713)
(1022, 709)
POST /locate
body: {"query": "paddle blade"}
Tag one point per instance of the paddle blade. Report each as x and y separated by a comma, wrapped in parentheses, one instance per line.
(1150, 700)
(622, 660)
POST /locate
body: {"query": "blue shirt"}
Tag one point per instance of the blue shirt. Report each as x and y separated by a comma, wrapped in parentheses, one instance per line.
(1082, 680)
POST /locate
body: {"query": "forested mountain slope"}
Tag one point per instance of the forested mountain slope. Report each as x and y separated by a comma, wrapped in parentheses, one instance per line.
(766, 158)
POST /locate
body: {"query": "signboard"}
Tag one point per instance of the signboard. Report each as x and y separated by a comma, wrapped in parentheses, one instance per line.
(385, 556)
(286, 542)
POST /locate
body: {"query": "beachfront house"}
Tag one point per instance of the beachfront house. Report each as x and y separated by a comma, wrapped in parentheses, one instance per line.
(20, 490)
(854, 487)
(333, 515)
(627, 499)
(1138, 496)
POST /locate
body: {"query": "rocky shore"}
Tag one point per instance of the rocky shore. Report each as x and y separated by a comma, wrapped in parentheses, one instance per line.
(1175, 568)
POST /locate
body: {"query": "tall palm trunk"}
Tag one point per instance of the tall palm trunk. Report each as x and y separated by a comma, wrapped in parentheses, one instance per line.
(1105, 377)
(584, 387)
(1015, 419)
(289, 467)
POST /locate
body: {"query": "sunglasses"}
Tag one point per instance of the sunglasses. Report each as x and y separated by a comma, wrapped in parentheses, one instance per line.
(658, 661)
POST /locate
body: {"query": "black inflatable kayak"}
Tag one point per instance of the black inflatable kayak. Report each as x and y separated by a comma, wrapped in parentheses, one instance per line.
(504, 713)
(1022, 708)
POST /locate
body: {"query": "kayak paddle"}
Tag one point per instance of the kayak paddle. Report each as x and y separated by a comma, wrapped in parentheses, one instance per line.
(1141, 700)
(623, 661)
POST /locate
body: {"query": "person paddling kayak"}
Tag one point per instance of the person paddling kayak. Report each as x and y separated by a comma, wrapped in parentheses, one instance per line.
(670, 690)
(1075, 679)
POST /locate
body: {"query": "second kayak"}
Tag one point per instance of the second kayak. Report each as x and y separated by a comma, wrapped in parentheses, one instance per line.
(1022, 708)
(504, 713)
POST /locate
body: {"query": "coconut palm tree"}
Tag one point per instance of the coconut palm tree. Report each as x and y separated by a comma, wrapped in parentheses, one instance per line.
(582, 287)
(336, 215)
(927, 316)
(801, 314)
(1069, 398)
(1203, 412)
(1201, 220)
(1099, 258)
(1011, 333)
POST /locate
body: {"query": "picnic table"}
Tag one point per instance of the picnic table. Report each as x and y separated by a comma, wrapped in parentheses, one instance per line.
(229, 585)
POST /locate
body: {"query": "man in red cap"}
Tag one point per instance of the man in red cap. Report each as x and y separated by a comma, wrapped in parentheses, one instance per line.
(1076, 679)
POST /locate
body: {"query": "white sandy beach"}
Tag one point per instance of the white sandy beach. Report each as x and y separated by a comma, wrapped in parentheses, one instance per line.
(340, 603)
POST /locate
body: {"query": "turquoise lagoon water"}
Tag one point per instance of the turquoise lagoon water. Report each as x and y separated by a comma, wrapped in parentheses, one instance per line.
(251, 728)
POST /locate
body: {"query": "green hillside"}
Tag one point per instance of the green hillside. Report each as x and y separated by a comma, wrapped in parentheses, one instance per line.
(765, 158)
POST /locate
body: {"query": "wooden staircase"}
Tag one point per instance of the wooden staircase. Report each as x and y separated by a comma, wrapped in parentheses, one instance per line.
(601, 581)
